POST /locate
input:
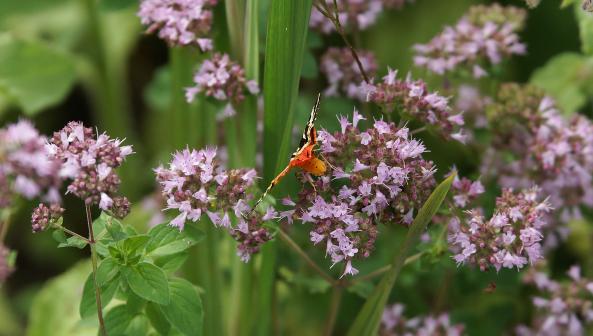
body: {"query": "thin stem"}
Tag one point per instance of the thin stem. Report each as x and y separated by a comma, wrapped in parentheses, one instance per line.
(335, 19)
(383, 269)
(418, 130)
(72, 233)
(333, 309)
(286, 238)
(91, 240)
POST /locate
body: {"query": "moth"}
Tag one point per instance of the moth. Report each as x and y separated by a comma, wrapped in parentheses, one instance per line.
(304, 157)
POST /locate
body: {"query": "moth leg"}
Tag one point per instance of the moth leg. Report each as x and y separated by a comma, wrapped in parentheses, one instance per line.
(326, 162)
(272, 184)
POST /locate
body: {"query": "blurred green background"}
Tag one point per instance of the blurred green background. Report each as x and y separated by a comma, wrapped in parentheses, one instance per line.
(57, 54)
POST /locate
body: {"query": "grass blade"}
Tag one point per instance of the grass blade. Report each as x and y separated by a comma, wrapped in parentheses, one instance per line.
(368, 319)
(288, 22)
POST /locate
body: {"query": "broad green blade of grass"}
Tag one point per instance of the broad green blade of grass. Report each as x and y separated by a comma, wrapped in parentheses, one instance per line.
(369, 318)
(288, 22)
(242, 313)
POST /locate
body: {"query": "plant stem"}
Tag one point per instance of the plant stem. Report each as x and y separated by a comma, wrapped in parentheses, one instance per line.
(334, 309)
(286, 238)
(72, 233)
(91, 240)
(213, 283)
(383, 269)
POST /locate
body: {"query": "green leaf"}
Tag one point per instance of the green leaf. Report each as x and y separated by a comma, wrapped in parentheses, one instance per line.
(288, 24)
(157, 318)
(364, 289)
(566, 3)
(148, 281)
(184, 311)
(369, 318)
(88, 305)
(585, 21)
(171, 263)
(135, 244)
(54, 310)
(107, 270)
(74, 241)
(110, 5)
(33, 74)
(59, 236)
(285, 46)
(117, 320)
(138, 326)
(567, 78)
(167, 240)
(134, 303)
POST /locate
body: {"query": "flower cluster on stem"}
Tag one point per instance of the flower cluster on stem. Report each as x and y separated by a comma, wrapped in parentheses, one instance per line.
(343, 74)
(510, 238)
(179, 22)
(482, 38)
(561, 308)
(90, 161)
(546, 149)
(194, 184)
(412, 99)
(380, 177)
(25, 168)
(353, 15)
(393, 322)
(223, 79)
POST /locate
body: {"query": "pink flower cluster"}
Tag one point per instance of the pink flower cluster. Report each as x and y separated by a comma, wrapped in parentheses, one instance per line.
(548, 149)
(483, 37)
(343, 74)
(562, 308)
(393, 323)
(412, 99)
(43, 216)
(510, 238)
(465, 191)
(382, 178)
(194, 184)
(353, 15)
(90, 161)
(179, 22)
(25, 168)
(222, 79)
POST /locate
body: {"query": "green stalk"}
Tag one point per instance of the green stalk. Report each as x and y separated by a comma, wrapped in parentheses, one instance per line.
(91, 240)
(288, 23)
(181, 61)
(110, 95)
(242, 19)
(213, 322)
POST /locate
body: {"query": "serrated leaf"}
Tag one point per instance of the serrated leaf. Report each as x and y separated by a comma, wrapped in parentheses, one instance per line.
(88, 306)
(369, 318)
(148, 282)
(184, 311)
(107, 270)
(74, 241)
(33, 74)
